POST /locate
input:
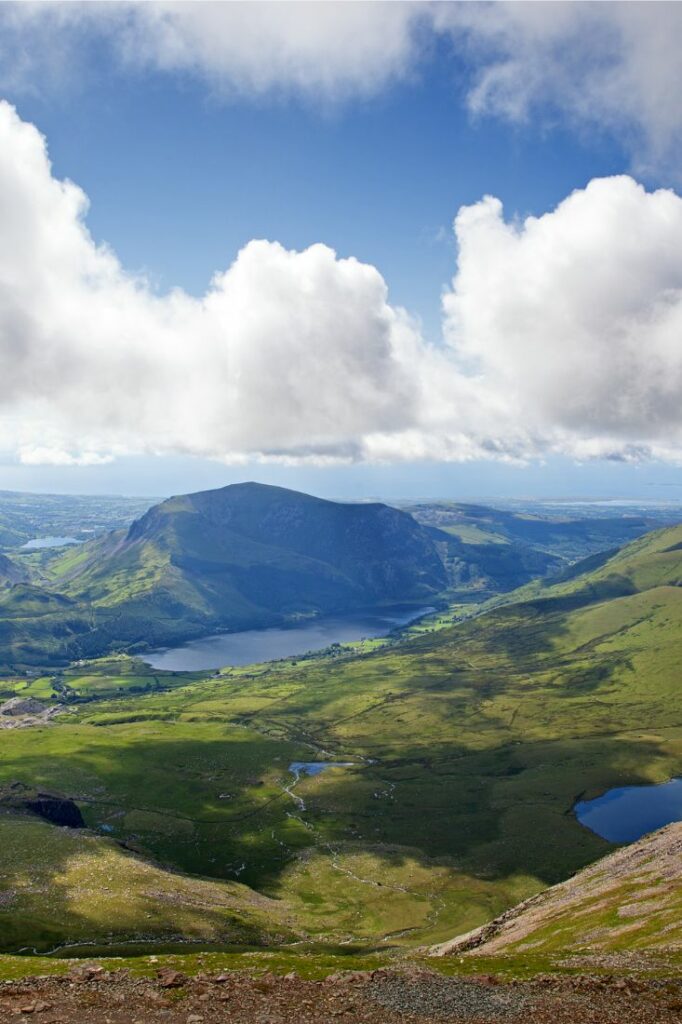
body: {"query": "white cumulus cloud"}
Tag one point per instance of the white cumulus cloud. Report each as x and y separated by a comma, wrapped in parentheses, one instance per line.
(576, 316)
(286, 352)
(610, 65)
(326, 51)
(561, 333)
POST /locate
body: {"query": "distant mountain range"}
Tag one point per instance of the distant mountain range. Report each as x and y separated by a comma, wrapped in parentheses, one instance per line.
(249, 555)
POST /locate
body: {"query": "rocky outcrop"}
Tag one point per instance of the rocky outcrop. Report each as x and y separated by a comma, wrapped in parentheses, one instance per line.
(22, 712)
(58, 810)
(17, 706)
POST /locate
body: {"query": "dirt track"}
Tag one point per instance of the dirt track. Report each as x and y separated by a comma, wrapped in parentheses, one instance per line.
(91, 996)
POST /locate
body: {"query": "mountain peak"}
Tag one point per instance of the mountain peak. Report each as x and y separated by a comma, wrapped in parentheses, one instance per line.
(248, 555)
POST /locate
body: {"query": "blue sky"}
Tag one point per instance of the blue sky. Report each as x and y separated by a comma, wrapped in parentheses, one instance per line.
(181, 172)
(179, 180)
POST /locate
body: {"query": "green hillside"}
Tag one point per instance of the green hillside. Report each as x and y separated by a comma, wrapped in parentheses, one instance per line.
(654, 560)
(456, 746)
(10, 572)
(58, 883)
(38, 625)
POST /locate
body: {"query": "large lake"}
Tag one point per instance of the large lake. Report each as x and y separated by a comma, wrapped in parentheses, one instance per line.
(626, 814)
(257, 645)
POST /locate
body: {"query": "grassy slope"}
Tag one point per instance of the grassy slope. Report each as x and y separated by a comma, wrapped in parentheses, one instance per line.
(467, 742)
(59, 883)
(10, 572)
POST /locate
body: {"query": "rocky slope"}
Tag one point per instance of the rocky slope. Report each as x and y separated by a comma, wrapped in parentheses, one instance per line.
(630, 901)
(90, 995)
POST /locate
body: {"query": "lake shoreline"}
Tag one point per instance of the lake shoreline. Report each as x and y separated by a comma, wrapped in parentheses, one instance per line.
(221, 648)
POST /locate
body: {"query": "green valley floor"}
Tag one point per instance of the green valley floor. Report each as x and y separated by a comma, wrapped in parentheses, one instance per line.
(463, 751)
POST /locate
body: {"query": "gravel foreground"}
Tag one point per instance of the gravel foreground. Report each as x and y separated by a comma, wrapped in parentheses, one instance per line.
(89, 994)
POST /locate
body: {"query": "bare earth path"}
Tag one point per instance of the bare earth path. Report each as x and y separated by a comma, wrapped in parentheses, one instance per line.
(90, 995)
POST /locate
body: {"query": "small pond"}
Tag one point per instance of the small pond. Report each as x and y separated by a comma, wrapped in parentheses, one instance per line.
(48, 542)
(626, 814)
(257, 645)
(299, 768)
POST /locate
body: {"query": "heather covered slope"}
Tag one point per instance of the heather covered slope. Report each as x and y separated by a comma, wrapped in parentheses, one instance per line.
(628, 902)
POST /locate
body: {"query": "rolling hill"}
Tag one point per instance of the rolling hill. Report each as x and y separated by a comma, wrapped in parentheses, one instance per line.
(99, 891)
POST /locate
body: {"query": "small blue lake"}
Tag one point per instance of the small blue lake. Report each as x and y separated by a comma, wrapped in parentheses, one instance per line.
(626, 814)
(298, 768)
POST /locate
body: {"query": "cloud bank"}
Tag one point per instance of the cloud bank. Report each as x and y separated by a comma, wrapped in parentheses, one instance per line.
(327, 51)
(562, 333)
(613, 66)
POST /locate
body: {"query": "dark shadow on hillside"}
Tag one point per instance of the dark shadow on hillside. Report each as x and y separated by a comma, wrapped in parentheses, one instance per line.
(478, 808)
(496, 814)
